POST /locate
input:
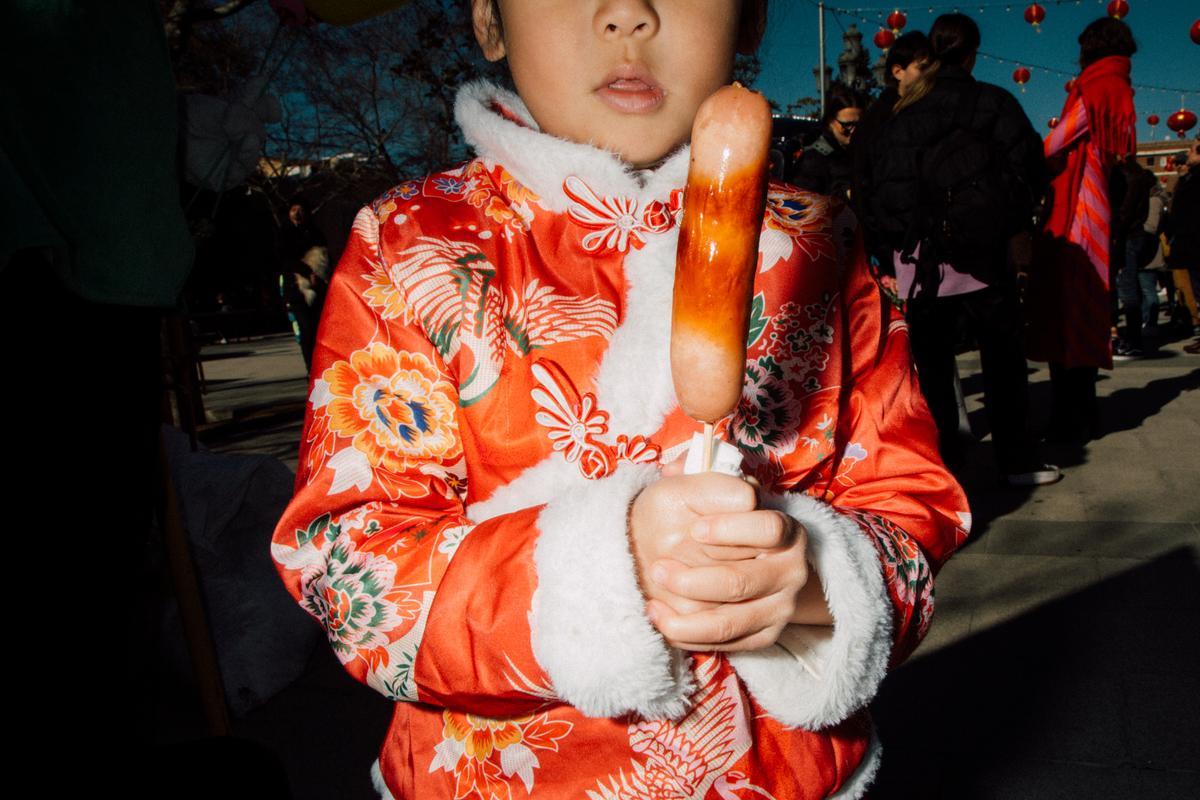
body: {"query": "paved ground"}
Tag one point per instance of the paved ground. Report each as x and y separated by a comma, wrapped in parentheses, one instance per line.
(1062, 663)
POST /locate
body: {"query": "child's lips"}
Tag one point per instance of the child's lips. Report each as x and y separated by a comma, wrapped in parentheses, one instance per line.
(630, 91)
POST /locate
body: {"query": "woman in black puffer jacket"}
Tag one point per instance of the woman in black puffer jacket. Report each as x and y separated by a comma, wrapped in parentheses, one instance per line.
(945, 129)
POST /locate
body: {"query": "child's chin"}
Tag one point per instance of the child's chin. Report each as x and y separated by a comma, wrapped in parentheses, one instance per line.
(642, 157)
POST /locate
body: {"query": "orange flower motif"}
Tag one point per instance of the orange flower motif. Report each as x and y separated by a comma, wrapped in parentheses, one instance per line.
(485, 755)
(481, 735)
(385, 210)
(396, 407)
(383, 294)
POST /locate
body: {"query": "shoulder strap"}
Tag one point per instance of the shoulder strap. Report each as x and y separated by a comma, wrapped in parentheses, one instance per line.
(821, 146)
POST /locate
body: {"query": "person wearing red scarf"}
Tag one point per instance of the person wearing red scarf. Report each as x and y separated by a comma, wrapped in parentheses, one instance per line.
(1068, 290)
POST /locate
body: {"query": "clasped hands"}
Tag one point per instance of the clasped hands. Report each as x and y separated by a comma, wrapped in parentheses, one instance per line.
(718, 572)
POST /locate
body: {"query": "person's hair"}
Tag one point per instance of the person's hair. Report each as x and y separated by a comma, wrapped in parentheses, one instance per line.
(840, 98)
(912, 46)
(1105, 37)
(954, 38)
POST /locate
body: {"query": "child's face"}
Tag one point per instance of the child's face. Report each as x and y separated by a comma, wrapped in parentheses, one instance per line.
(625, 75)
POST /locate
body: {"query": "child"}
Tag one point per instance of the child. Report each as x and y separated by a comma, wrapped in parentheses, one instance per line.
(483, 522)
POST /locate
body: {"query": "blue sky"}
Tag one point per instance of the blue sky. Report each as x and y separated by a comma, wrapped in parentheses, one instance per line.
(1166, 55)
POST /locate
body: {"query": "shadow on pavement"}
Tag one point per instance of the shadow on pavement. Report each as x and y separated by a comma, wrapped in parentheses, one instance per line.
(1127, 409)
(1094, 695)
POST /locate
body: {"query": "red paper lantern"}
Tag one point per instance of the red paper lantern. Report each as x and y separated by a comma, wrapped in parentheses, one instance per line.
(1196, 31)
(1152, 120)
(1034, 15)
(897, 20)
(884, 38)
(1181, 122)
(1118, 9)
(1021, 76)
(1053, 123)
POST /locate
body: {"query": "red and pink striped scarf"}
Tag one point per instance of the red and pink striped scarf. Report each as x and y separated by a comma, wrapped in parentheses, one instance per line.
(1098, 123)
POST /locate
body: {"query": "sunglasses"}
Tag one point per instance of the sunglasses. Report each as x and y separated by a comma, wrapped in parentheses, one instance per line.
(847, 126)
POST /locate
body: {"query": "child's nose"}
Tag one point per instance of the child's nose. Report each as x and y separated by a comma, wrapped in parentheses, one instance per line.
(618, 18)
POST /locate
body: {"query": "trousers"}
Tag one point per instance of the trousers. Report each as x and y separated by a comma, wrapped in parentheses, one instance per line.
(992, 316)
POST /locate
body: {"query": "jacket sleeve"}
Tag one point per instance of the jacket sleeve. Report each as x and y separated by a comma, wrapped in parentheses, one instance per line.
(1071, 128)
(418, 601)
(1023, 150)
(811, 172)
(882, 514)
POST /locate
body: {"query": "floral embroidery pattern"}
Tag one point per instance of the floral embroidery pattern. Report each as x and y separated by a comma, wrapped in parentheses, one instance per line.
(398, 412)
(484, 754)
(348, 593)
(795, 219)
(488, 187)
(794, 354)
(373, 614)
(765, 418)
(616, 222)
(575, 425)
(907, 575)
(449, 287)
(681, 761)
(851, 455)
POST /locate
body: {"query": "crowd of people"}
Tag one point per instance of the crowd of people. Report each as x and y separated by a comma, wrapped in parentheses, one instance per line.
(1049, 250)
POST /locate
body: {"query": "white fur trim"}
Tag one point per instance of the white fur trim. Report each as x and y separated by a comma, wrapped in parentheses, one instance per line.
(849, 660)
(533, 487)
(542, 162)
(378, 782)
(634, 382)
(858, 783)
(590, 631)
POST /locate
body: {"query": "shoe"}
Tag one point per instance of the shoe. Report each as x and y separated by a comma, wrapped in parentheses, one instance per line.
(1123, 351)
(1041, 475)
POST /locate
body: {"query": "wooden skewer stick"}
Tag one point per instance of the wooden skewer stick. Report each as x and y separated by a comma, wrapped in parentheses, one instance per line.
(708, 446)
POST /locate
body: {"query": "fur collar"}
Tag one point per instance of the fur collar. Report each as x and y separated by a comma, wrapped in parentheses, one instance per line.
(499, 127)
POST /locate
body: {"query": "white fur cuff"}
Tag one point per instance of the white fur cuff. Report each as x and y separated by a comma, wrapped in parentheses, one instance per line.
(815, 676)
(589, 626)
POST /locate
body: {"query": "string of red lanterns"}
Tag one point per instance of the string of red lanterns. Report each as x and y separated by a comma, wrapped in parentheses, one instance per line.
(1021, 75)
(884, 38)
(1034, 15)
(1181, 122)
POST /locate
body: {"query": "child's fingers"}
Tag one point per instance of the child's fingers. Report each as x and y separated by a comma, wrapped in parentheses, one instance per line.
(761, 528)
(729, 553)
(728, 627)
(674, 468)
(714, 493)
(730, 582)
(677, 604)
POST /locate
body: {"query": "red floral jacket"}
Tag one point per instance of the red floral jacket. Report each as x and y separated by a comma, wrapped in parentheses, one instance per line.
(491, 388)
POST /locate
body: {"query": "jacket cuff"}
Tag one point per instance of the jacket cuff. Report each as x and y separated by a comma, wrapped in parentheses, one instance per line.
(588, 619)
(816, 676)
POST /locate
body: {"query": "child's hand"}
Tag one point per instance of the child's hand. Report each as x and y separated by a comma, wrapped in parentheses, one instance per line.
(754, 597)
(660, 522)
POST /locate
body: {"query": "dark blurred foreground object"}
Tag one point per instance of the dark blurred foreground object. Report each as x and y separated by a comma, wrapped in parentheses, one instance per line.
(88, 149)
(94, 250)
(221, 767)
